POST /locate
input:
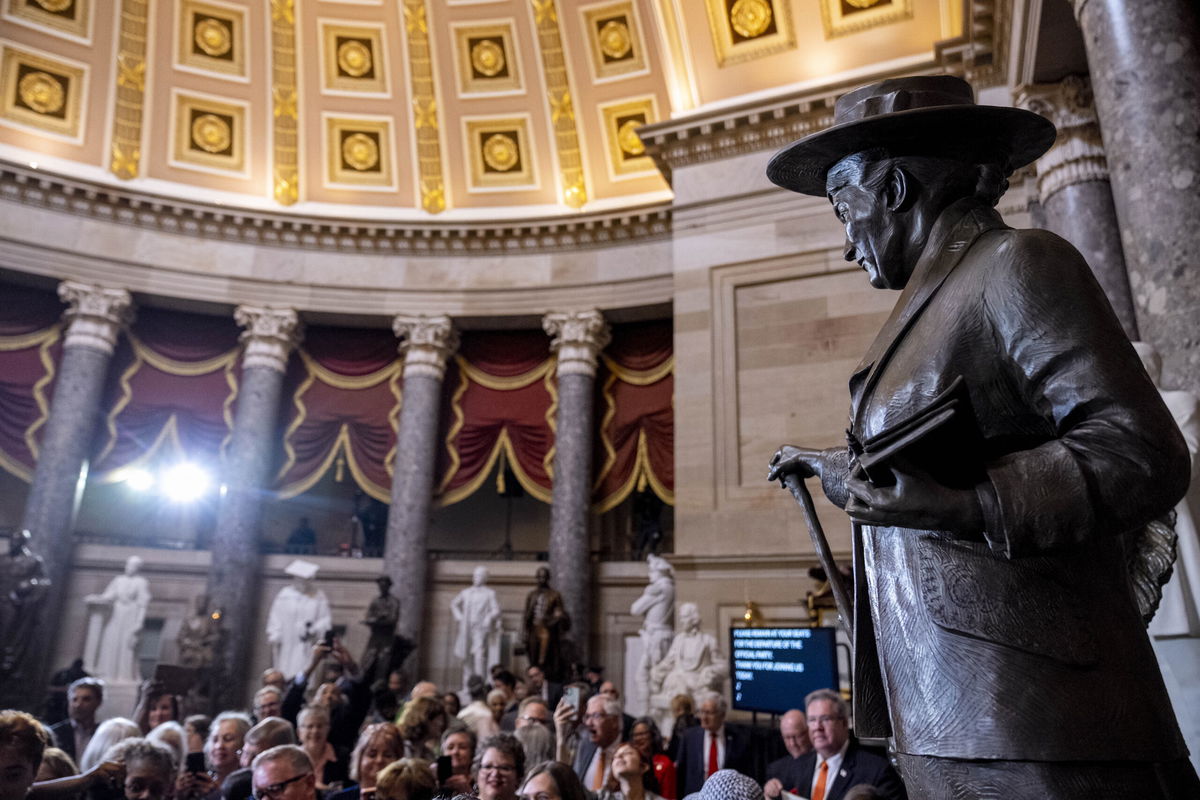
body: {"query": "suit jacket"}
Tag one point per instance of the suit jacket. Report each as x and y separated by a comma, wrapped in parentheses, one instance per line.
(1077, 450)
(64, 738)
(858, 766)
(787, 771)
(693, 761)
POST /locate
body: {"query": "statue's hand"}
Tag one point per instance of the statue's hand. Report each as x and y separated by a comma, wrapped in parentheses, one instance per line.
(916, 500)
(792, 460)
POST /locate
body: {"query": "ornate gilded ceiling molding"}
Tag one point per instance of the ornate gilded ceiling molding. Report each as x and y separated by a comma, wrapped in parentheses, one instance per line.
(425, 114)
(284, 101)
(37, 187)
(562, 111)
(975, 55)
(131, 91)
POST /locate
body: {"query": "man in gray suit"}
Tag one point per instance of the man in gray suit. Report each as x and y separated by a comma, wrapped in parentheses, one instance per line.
(595, 744)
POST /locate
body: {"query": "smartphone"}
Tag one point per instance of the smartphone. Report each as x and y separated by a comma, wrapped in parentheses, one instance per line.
(329, 638)
(195, 763)
(574, 698)
(444, 770)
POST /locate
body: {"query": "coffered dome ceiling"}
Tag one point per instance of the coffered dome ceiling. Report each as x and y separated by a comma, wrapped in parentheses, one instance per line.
(404, 109)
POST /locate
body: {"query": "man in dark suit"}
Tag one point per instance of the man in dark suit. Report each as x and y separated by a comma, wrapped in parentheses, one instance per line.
(836, 763)
(783, 773)
(83, 700)
(595, 744)
(710, 747)
(538, 686)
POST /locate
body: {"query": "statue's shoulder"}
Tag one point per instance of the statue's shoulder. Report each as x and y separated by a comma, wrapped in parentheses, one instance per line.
(1030, 255)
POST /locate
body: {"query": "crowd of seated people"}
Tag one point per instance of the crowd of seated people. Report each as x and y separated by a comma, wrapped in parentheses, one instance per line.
(333, 738)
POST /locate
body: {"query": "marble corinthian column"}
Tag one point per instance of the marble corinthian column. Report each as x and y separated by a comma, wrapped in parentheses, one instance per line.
(1145, 67)
(94, 318)
(270, 335)
(578, 338)
(426, 342)
(1074, 188)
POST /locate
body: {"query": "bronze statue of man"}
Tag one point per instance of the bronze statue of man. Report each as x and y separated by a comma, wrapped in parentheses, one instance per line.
(546, 620)
(997, 642)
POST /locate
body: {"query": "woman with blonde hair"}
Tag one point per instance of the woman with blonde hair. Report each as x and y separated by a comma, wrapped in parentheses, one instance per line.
(421, 726)
(406, 779)
(378, 745)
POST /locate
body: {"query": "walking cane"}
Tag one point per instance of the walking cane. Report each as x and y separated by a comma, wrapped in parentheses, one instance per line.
(795, 485)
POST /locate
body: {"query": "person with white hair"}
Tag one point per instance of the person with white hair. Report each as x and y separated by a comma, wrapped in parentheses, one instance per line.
(711, 747)
(110, 732)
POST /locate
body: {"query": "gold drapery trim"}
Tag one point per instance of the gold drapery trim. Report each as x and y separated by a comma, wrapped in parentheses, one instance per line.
(610, 411)
(289, 452)
(39, 391)
(504, 384)
(171, 366)
(503, 445)
(639, 477)
(455, 427)
(341, 446)
(389, 461)
(110, 422)
(24, 341)
(351, 382)
(168, 433)
(551, 385)
(643, 377)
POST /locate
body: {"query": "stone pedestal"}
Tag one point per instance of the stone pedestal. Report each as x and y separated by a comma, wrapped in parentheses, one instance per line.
(94, 319)
(233, 587)
(578, 338)
(1145, 67)
(1074, 190)
(426, 343)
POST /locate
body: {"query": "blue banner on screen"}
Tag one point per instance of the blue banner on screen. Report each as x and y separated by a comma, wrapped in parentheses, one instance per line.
(774, 668)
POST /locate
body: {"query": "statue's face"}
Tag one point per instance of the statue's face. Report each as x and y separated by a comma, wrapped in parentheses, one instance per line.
(875, 235)
(543, 577)
(481, 576)
(133, 565)
(689, 617)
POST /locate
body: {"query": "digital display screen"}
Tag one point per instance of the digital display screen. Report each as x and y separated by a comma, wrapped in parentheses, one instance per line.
(774, 668)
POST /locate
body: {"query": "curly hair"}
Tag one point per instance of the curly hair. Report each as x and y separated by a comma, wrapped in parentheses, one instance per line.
(24, 733)
(415, 722)
(507, 744)
(156, 755)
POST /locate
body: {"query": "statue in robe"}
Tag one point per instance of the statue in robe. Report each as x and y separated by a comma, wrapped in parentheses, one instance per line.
(477, 612)
(656, 607)
(298, 618)
(693, 664)
(115, 625)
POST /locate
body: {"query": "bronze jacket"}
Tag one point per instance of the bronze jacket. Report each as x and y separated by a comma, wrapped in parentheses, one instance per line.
(1021, 641)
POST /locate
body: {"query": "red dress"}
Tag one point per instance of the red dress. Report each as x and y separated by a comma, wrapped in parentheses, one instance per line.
(664, 771)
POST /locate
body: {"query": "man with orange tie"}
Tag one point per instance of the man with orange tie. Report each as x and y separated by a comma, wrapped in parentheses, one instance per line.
(598, 740)
(836, 763)
(710, 747)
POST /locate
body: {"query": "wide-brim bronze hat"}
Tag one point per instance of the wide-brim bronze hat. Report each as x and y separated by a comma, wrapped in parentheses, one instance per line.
(928, 114)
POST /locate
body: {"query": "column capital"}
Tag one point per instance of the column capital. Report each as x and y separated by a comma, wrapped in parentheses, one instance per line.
(426, 342)
(1078, 152)
(578, 338)
(95, 315)
(270, 335)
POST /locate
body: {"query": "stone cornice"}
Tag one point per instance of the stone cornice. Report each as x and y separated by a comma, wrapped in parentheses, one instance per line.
(39, 187)
(707, 136)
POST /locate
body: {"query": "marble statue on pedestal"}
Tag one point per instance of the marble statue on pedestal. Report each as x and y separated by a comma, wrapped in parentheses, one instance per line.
(299, 616)
(693, 664)
(656, 607)
(115, 623)
(382, 615)
(24, 585)
(546, 620)
(1179, 611)
(477, 612)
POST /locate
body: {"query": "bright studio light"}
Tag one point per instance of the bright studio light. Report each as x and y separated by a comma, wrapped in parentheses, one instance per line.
(139, 480)
(185, 482)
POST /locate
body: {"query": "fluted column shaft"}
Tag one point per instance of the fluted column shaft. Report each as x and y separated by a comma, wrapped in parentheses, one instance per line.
(1074, 188)
(426, 342)
(578, 339)
(233, 585)
(94, 318)
(1145, 67)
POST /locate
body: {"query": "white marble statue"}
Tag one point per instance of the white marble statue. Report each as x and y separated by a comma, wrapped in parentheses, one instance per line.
(656, 607)
(477, 612)
(693, 664)
(1179, 612)
(115, 622)
(299, 617)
